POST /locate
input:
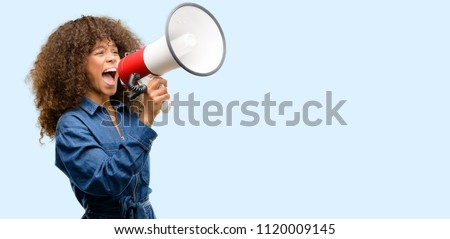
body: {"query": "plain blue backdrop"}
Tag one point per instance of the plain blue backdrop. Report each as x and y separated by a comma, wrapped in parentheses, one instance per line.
(388, 59)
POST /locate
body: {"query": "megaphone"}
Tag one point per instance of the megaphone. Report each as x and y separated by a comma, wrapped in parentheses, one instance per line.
(193, 40)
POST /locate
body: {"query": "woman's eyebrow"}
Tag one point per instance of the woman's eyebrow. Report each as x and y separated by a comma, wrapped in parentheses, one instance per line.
(99, 47)
(104, 46)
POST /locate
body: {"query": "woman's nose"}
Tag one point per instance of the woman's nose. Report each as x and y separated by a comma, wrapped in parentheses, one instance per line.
(112, 58)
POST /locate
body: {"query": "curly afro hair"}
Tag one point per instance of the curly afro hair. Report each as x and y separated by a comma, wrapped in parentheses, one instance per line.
(58, 76)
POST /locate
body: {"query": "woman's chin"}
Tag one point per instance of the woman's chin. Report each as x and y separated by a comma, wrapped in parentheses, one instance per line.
(110, 90)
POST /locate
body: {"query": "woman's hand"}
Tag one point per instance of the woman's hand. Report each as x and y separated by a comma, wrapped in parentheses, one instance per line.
(153, 99)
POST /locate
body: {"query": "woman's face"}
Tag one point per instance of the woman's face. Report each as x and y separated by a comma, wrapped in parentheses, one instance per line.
(101, 71)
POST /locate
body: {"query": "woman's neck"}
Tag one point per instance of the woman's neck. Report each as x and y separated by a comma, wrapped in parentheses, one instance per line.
(103, 100)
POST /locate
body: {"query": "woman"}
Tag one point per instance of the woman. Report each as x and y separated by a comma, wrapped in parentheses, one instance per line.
(102, 139)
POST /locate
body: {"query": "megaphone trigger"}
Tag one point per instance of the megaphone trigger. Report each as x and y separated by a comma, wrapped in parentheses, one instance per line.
(134, 87)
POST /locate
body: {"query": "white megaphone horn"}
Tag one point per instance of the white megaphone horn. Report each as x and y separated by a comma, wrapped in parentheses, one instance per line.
(193, 40)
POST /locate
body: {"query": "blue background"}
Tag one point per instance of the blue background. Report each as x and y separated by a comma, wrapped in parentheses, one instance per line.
(388, 59)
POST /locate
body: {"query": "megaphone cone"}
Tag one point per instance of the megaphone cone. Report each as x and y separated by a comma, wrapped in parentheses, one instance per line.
(193, 41)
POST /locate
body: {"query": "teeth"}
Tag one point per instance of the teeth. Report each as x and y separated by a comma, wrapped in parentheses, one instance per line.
(110, 70)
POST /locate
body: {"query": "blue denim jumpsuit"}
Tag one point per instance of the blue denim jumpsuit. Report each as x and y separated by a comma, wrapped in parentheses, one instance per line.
(109, 174)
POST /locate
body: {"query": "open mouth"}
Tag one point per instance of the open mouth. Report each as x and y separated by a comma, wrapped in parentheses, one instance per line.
(109, 76)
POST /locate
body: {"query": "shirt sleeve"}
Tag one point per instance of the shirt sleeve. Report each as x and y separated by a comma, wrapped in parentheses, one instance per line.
(87, 164)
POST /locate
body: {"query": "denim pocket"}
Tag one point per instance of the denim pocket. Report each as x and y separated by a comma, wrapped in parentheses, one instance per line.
(110, 148)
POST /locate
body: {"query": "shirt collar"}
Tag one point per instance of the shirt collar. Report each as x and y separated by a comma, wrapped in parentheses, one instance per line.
(90, 106)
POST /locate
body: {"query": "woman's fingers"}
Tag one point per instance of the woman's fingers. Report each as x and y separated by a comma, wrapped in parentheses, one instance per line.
(156, 83)
(157, 91)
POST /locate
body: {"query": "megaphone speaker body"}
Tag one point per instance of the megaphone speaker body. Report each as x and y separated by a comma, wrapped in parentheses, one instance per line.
(154, 59)
(193, 40)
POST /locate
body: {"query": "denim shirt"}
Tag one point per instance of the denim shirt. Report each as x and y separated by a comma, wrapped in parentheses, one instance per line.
(107, 172)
